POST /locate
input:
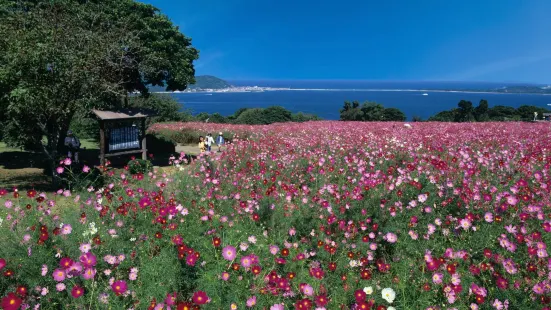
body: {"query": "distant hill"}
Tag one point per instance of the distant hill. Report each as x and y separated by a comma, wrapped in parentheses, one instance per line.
(201, 82)
(209, 82)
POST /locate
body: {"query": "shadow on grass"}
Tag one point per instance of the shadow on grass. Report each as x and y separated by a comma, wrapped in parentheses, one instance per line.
(28, 170)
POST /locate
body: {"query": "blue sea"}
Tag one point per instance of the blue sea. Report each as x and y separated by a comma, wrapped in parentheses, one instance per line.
(325, 98)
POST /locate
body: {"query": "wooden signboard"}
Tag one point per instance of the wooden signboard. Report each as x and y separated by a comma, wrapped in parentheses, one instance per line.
(122, 132)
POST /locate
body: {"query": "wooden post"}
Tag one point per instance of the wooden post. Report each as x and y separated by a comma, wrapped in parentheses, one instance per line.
(144, 146)
(102, 142)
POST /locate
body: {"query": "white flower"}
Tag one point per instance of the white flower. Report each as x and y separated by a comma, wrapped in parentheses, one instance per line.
(368, 290)
(390, 308)
(388, 295)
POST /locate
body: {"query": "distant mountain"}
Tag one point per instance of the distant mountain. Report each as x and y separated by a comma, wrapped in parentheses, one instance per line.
(209, 82)
(201, 82)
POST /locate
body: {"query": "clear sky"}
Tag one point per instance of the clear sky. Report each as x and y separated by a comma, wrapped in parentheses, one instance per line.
(466, 40)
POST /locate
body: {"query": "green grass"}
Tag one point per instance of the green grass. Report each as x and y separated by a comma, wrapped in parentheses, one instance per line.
(22, 169)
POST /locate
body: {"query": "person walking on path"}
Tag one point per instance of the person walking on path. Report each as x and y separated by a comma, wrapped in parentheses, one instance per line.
(73, 146)
(220, 141)
(209, 141)
(202, 145)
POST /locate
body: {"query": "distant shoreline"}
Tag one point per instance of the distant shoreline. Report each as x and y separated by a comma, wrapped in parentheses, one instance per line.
(271, 89)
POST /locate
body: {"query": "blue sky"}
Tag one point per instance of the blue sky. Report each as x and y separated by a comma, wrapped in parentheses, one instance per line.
(400, 40)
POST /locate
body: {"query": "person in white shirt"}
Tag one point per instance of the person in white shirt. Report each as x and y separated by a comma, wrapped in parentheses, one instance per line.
(209, 141)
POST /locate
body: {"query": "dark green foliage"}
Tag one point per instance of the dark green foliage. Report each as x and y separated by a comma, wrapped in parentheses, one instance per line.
(393, 114)
(445, 116)
(526, 112)
(465, 112)
(257, 116)
(59, 59)
(370, 111)
(482, 113)
(303, 117)
(160, 144)
(252, 117)
(277, 114)
(167, 109)
(139, 166)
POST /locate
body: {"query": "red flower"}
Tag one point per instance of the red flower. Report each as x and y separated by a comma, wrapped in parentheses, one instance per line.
(216, 241)
(183, 306)
(303, 304)
(2, 263)
(21, 291)
(321, 300)
(11, 302)
(77, 291)
(365, 274)
(200, 298)
(450, 268)
(360, 295)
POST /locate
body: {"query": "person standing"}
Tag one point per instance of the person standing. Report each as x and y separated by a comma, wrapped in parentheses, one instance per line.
(220, 141)
(202, 144)
(73, 146)
(209, 141)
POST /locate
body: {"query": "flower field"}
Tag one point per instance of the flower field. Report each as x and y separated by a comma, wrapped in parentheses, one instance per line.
(320, 215)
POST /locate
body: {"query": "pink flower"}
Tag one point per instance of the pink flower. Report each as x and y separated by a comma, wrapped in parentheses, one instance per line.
(229, 253)
(251, 301)
(59, 275)
(66, 229)
(60, 170)
(85, 169)
(89, 273)
(390, 237)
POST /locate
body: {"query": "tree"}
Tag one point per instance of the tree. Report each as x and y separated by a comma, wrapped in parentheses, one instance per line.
(445, 116)
(373, 111)
(351, 111)
(481, 111)
(393, 115)
(526, 112)
(465, 111)
(166, 108)
(252, 117)
(502, 113)
(277, 114)
(63, 57)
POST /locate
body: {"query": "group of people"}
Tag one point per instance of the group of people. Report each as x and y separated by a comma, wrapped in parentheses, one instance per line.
(206, 143)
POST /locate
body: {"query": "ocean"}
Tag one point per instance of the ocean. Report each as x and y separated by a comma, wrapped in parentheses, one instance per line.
(326, 98)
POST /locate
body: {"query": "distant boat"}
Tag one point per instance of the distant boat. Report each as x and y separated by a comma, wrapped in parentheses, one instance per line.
(425, 94)
(208, 94)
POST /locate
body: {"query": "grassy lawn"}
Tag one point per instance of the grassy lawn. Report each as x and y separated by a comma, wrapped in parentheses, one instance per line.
(24, 169)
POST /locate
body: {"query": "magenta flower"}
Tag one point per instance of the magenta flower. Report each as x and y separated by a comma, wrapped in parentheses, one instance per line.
(119, 287)
(88, 259)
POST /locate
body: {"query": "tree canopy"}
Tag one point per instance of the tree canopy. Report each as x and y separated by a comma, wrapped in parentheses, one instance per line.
(482, 113)
(370, 111)
(63, 57)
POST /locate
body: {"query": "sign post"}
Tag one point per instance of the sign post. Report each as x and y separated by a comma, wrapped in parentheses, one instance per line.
(122, 132)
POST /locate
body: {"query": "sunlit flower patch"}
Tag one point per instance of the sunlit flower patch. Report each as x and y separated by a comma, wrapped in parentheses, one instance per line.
(322, 215)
